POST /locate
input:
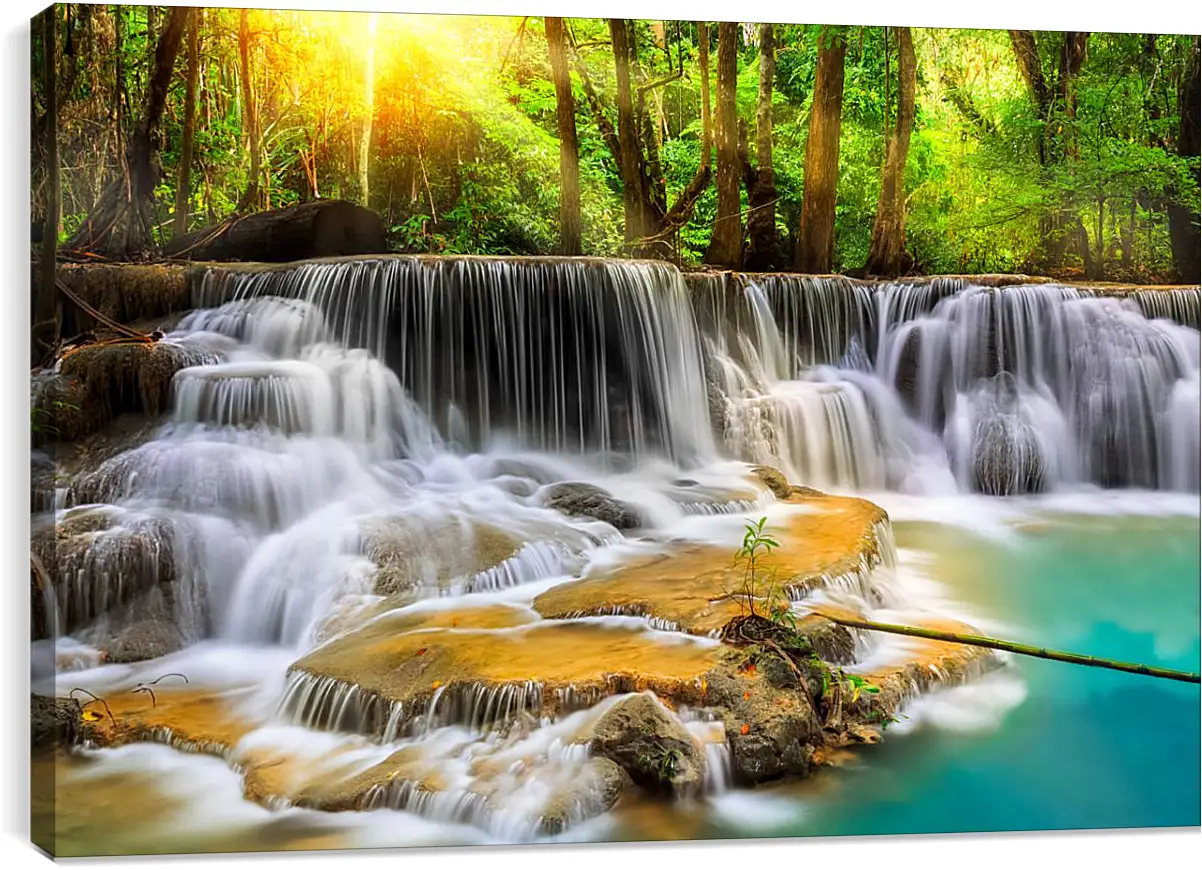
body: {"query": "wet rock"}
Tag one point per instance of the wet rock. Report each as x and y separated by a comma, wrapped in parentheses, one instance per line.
(595, 791)
(832, 642)
(96, 558)
(98, 382)
(54, 721)
(1007, 457)
(144, 640)
(771, 731)
(779, 674)
(588, 500)
(410, 555)
(654, 748)
(694, 587)
(776, 482)
(806, 492)
(143, 628)
(43, 481)
(488, 665)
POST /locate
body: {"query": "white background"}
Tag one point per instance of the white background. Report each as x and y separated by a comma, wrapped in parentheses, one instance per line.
(1131, 850)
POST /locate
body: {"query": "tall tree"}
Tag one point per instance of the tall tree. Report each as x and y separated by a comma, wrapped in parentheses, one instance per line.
(120, 223)
(650, 222)
(1183, 220)
(569, 159)
(45, 308)
(726, 243)
(763, 241)
(183, 178)
(888, 247)
(703, 63)
(369, 77)
(1052, 87)
(252, 197)
(816, 237)
(634, 192)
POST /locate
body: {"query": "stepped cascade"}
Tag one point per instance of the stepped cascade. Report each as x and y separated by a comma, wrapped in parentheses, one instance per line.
(427, 532)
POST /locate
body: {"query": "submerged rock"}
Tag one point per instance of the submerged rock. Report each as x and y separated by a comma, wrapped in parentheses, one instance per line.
(588, 500)
(651, 745)
(595, 791)
(410, 556)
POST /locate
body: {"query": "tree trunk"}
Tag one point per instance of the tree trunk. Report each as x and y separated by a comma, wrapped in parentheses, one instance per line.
(45, 307)
(252, 197)
(633, 198)
(763, 242)
(120, 224)
(887, 250)
(678, 215)
(152, 23)
(183, 181)
(703, 61)
(726, 243)
(816, 238)
(569, 160)
(369, 77)
(1184, 234)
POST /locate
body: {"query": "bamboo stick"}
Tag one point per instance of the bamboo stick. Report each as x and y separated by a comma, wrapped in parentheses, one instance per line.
(1010, 646)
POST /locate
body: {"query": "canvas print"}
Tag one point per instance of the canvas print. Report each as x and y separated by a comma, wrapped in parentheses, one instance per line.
(458, 430)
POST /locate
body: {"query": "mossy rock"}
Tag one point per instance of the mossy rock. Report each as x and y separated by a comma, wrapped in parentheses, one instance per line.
(776, 482)
(54, 721)
(652, 747)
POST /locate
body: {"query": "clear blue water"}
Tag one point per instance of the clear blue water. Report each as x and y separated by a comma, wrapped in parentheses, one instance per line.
(1086, 748)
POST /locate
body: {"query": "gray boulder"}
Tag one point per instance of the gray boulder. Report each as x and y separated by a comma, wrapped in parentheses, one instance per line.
(587, 500)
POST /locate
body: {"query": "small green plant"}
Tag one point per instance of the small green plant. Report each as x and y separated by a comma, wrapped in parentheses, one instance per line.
(39, 417)
(758, 543)
(781, 638)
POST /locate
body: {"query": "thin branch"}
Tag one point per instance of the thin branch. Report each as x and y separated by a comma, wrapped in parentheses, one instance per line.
(1010, 646)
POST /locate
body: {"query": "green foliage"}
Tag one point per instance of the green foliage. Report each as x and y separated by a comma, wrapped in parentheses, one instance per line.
(465, 155)
(756, 544)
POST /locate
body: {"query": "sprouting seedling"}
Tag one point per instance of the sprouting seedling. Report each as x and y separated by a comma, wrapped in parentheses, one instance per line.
(756, 543)
(95, 699)
(145, 687)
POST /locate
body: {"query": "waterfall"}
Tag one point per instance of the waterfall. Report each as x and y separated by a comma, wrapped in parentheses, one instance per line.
(352, 395)
(1004, 390)
(558, 355)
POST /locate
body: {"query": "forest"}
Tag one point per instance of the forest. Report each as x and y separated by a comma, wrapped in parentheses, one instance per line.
(869, 151)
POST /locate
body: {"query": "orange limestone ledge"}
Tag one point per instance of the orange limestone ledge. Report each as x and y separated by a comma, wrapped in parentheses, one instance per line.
(827, 540)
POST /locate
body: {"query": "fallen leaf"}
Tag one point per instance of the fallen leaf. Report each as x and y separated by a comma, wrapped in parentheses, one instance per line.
(745, 728)
(437, 683)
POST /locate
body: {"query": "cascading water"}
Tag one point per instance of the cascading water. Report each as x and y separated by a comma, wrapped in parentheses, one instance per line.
(1007, 390)
(378, 434)
(575, 356)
